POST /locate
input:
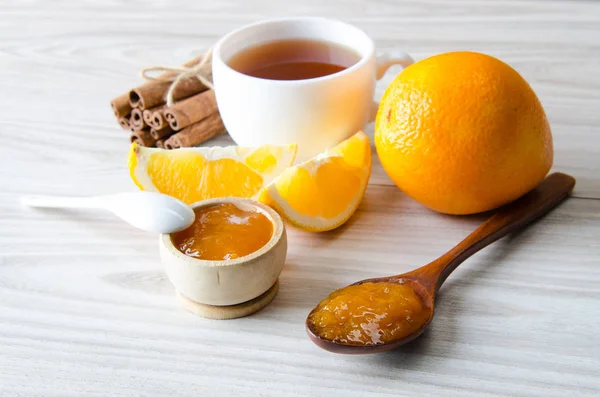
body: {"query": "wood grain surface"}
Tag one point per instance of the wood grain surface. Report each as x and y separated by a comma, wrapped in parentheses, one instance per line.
(85, 308)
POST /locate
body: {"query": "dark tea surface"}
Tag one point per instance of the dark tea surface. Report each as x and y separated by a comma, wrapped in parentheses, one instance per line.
(296, 59)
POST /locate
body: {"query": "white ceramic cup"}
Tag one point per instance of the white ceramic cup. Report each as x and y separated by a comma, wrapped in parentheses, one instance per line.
(315, 113)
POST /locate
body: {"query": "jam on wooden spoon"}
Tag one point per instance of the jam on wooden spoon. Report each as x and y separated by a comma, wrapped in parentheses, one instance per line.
(381, 314)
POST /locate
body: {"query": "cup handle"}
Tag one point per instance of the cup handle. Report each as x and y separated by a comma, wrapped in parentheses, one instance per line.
(387, 60)
(384, 62)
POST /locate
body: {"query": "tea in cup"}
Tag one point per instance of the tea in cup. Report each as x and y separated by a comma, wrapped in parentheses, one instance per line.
(301, 80)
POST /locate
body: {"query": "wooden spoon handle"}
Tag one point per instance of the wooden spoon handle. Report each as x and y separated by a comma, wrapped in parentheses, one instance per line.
(510, 218)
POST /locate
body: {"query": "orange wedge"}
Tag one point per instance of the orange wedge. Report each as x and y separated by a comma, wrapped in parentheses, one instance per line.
(198, 173)
(323, 192)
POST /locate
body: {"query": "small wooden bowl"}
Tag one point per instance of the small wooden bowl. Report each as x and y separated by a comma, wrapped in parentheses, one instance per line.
(228, 288)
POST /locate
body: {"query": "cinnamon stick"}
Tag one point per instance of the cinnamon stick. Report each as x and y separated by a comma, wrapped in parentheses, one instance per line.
(120, 106)
(191, 110)
(160, 143)
(143, 137)
(158, 120)
(124, 122)
(162, 133)
(147, 114)
(137, 120)
(152, 93)
(197, 133)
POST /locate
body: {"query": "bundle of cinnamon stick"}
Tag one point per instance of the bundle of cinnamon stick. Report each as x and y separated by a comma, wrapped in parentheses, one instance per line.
(191, 120)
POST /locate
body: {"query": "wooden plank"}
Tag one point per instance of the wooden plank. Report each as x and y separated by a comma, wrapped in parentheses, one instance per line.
(554, 45)
(85, 308)
(89, 306)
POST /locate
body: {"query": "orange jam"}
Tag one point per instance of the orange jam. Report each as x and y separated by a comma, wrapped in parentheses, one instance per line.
(369, 314)
(224, 231)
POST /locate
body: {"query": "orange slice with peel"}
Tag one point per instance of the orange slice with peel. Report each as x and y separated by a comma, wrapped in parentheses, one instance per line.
(323, 192)
(199, 173)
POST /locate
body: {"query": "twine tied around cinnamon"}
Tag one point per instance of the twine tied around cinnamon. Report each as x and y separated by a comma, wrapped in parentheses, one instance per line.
(175, 75)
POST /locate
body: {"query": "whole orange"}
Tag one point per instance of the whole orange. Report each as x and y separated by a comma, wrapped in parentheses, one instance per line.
(463, 132)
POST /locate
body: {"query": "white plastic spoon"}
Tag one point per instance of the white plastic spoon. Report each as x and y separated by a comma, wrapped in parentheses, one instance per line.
(149, 211)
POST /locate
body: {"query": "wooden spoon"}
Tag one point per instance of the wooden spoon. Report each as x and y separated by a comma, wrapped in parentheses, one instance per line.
(427, 280)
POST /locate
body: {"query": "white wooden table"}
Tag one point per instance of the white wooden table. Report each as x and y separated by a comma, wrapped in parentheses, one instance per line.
(85, 308)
